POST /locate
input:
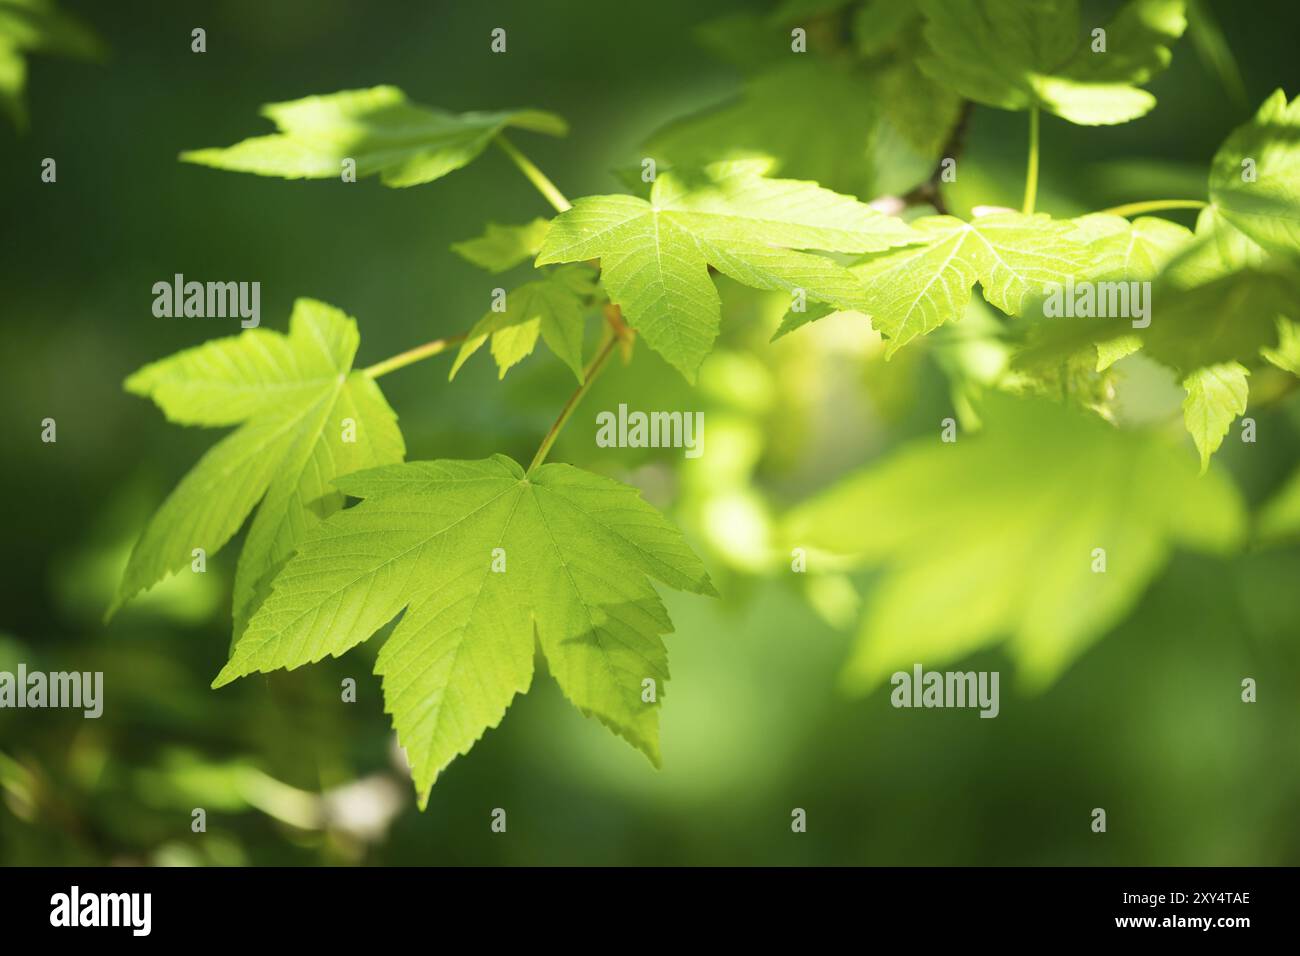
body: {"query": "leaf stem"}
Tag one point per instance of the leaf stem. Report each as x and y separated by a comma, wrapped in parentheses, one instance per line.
(1155, 205)
(411, 356)
(1031, 173)
(535, 175)
(588, 377)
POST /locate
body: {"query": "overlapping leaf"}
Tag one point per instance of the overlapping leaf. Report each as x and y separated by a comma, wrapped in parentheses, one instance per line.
(655, 255)
(1023, 54)
(1217, 302)
(1216, 395)
(1013, 555)
(403, 143)
(305, 418)
(487, 562)
(553, 307)
(911, 291)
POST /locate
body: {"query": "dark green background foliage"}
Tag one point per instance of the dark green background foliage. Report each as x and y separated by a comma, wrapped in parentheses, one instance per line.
(1147, 723)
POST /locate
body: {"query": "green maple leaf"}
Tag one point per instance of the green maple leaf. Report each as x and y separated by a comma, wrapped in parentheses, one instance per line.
(553, 307)
(655, 255)
(1267, 207)
(501, 248)
(573, 555)
(403, 143)
(36, 26)
(1023, 54)
(1012, 556)
(293, 397)
(911, 291)
(1216, 395)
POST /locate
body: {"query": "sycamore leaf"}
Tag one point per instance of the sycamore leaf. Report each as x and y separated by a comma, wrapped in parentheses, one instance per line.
(1013, 555)
(1023, 54)
(553, 307)
(403, 143)
(503, 247)
(909, 292)
(487, 562)
(1216, 395)
(36, 26)
(305, 418)
(1255, 176)
(655, 255)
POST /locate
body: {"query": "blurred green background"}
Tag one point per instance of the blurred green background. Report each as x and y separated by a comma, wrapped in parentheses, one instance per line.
(1146, 723)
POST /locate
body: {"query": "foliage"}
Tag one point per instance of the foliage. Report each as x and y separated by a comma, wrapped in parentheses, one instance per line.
(822, 182)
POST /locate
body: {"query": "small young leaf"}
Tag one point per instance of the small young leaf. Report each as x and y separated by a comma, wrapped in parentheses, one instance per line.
(577, 551)
(1215, 396)
(403, 143)
(501, 248)
(655, 255)
(553, 306)
(292, 395)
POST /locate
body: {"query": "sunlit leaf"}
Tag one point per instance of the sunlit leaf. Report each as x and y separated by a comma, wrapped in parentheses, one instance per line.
(305, 418)
(553, 307)
(655, 255)
(912, 291)
(385, 134)
(1215, 396)
(487, 562)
